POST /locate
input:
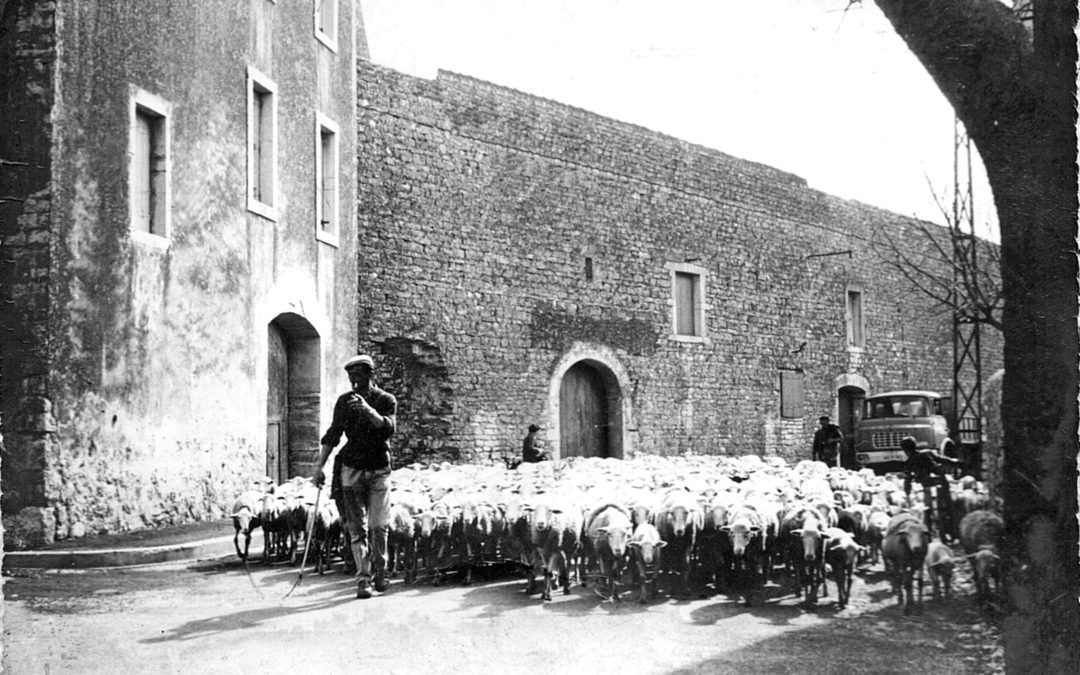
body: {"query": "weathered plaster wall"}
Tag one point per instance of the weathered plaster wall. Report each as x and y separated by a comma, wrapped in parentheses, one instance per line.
(157, 374)
(478, 208)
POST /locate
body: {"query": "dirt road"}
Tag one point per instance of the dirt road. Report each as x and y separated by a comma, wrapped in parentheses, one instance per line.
(208, 617)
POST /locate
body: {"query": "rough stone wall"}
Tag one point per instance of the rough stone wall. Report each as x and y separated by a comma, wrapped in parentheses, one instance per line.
(482, 208)
(152, 390)
(28, 51)
(994, 433)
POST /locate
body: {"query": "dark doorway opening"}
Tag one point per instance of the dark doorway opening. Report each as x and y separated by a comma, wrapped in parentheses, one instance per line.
(849, 408)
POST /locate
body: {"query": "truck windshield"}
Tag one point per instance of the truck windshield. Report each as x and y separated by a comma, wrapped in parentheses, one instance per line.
(896, 406)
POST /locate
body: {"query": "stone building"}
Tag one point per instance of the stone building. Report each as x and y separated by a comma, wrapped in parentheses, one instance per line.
(207, 207)
(179, 245)
(522, 261)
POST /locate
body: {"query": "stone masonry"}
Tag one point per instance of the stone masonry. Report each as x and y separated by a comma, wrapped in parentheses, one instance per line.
(511, 236)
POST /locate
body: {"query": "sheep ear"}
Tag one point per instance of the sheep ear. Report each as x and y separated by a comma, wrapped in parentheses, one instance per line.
(798, 532)
(661, 544)
(633, 544)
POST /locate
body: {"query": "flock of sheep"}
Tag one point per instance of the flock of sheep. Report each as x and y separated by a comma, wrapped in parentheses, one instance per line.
(732, 523)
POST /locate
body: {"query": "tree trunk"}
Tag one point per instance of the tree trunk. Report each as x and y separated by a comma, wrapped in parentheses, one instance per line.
(1015, 95)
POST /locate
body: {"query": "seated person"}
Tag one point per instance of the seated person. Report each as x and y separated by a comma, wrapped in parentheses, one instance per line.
(529, 451)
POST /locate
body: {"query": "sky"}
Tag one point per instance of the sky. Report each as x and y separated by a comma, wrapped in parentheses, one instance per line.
(830, 95)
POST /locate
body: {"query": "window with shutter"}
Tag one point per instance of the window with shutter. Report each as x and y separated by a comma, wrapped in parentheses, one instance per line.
(326, 179)
(262, 141)
(688, 302)
(791, 393)
(148, 164)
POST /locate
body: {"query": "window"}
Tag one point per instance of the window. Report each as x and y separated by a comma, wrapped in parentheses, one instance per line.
(854, 318)
(262, 145)
(688, 301)
(148, 164)
(326, 179)
(326, 23)
(791, 393)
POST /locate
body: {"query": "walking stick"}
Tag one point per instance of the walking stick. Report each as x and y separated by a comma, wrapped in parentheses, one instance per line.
(251, 578)
(307, 542)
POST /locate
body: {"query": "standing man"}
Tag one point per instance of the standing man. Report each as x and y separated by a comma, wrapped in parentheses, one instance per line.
(827, 440)
(366, 415)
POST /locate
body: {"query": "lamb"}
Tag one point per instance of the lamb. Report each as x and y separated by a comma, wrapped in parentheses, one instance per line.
(402, 529)
(876, 524)
(246, 516)
(645, 545)
(841, 554)
(981, 533)
(939, 566)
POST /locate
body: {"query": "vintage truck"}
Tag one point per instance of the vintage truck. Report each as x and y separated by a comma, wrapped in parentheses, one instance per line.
(889, 416)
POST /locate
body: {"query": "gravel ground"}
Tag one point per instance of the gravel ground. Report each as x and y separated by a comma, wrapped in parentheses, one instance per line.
(210, 617)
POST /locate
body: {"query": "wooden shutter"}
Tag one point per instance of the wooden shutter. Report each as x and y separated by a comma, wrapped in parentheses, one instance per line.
(328, 187)
(685, 303)
(140, 173)
(791, 393)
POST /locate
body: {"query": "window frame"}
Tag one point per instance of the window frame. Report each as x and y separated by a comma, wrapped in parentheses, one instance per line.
(701, 305)
(259, 84)
(327, 235)
(329, 39)
(855, 318)
(142, 103)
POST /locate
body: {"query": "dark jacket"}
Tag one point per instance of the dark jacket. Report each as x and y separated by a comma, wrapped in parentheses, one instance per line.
(529, 451)
(827, 442)
(925, 466)
(366, 447)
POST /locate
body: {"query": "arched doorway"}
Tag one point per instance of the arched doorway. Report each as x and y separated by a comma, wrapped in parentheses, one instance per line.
(590, 418)
(292, 398)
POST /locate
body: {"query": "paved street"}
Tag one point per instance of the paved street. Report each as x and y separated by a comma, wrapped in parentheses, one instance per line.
(208, 617)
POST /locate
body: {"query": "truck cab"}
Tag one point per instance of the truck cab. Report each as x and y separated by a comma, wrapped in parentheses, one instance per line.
(890, 416)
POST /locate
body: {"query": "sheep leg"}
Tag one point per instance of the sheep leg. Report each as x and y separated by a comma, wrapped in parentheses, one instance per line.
(564, 576)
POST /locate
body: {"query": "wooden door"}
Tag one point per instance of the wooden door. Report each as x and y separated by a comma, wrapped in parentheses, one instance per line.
(584, 420)
(277, 406)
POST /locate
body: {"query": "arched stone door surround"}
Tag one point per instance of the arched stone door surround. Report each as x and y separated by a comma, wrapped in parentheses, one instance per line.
(597, 367)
